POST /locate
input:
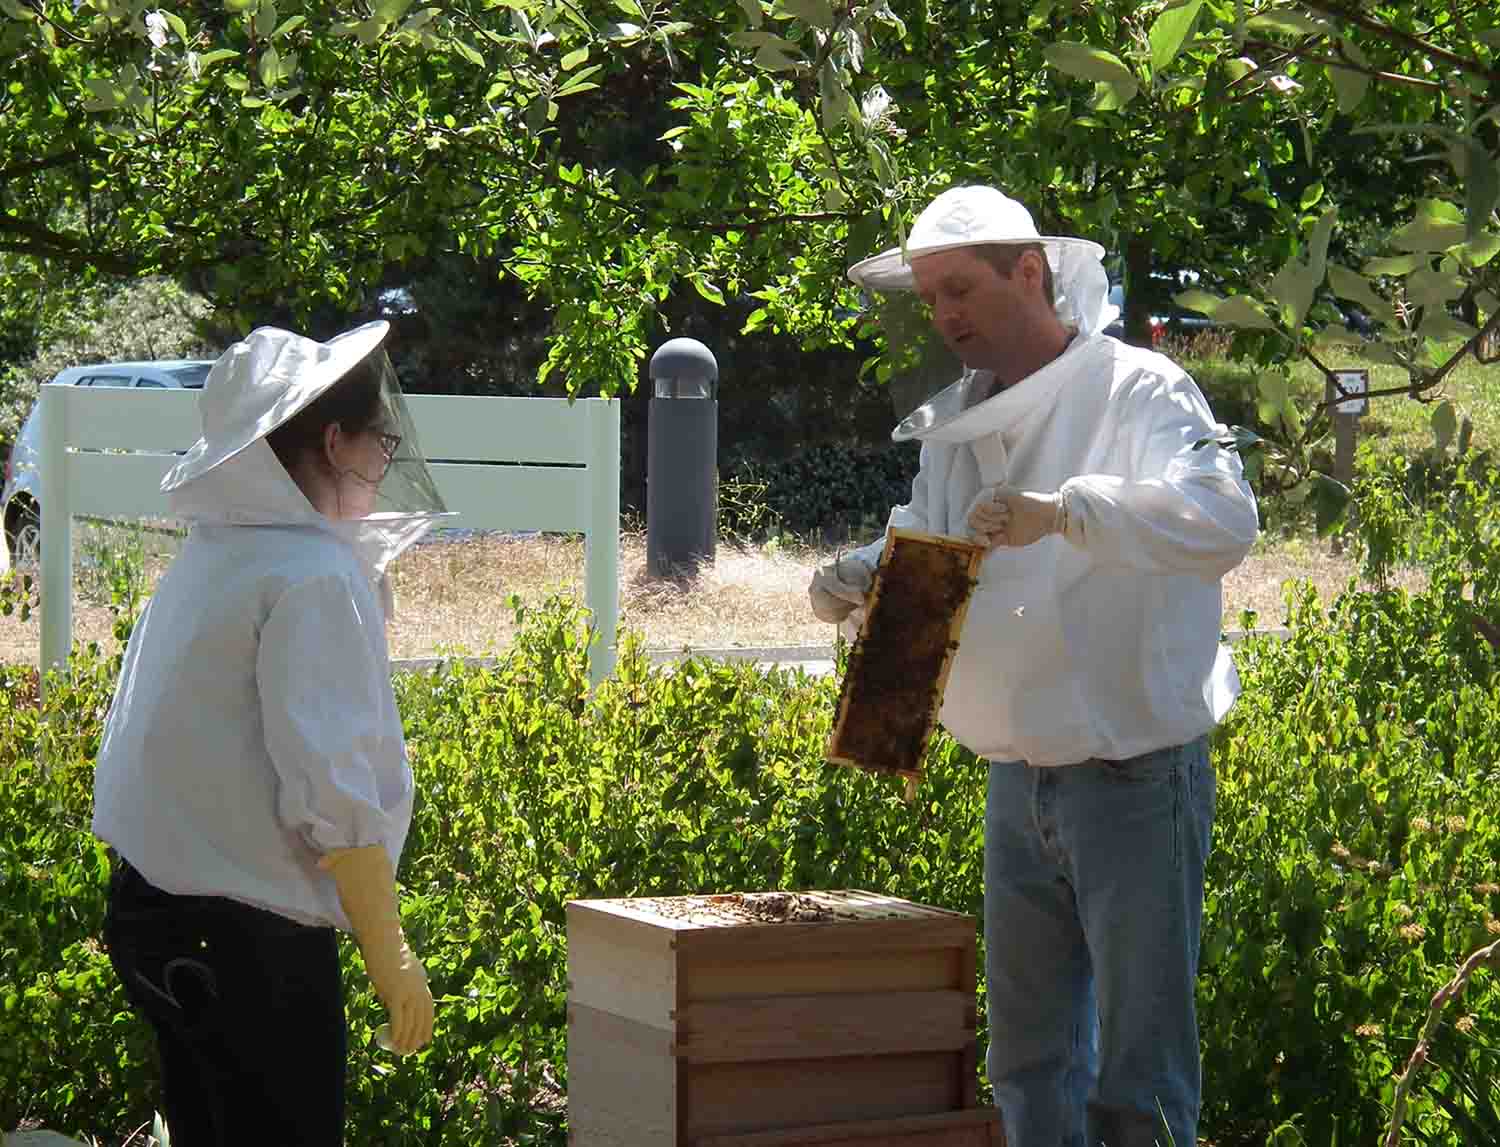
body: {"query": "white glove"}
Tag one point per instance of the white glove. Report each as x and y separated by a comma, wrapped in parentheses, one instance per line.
(839, 588)
(1005, 516)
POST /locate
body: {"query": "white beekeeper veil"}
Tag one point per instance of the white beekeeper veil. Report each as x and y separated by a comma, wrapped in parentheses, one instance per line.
(261, 383)
(974, 215)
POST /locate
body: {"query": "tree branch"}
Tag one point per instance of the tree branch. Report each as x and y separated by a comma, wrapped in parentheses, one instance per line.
(33, 166)
(771, 221)
(61, 249)
(1424, 1041)
(1396, 35)
(1347, 65)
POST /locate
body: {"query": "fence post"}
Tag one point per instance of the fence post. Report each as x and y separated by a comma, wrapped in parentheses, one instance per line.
(602, 553)
(57, 531)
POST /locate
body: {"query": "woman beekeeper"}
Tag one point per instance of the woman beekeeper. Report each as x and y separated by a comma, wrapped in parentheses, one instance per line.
(253, 779)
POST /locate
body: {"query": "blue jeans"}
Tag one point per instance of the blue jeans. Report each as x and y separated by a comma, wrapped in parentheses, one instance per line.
(1093, 903)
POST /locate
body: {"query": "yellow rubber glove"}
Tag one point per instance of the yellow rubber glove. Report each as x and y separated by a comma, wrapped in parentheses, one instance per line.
(367, 890)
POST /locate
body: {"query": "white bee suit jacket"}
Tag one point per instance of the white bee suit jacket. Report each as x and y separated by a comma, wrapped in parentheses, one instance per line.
(1103, 644)
(255, 727)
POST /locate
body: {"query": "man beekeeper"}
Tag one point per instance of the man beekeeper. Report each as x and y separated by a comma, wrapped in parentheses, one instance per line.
(1089, 671)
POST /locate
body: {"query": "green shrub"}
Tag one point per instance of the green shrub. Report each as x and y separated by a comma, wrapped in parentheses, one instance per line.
(829, 489)
(1342, 889)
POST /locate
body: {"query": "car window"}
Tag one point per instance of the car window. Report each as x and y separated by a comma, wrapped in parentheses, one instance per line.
(105, 380)
(190, 375)
(150, 382)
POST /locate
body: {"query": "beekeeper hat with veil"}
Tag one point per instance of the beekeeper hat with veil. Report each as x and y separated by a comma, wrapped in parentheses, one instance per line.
(971, 216)
(230, 476)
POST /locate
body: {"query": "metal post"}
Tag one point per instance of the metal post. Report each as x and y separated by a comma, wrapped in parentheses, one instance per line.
(682, 447)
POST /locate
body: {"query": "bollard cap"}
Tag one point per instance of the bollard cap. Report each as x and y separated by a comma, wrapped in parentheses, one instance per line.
(684, 368)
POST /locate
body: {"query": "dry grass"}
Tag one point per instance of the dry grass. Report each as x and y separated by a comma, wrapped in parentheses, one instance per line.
(454, 596)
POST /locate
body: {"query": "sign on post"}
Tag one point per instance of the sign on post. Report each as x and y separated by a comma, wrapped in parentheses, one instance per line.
(1352, 387)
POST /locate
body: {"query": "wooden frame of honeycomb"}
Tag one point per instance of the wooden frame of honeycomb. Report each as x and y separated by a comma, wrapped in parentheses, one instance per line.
(898, 668)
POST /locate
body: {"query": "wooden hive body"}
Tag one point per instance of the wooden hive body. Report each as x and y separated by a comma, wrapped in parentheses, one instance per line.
(692, 1025)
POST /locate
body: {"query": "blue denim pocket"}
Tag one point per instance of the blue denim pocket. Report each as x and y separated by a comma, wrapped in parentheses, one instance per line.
(1159, 766)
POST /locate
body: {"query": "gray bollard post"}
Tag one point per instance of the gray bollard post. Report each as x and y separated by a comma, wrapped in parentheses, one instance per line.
(682, 448)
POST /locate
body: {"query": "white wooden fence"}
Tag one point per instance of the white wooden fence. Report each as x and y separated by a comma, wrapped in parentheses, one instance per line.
(501, 463)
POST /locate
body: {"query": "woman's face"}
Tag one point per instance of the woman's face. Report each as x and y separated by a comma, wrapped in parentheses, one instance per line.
(359, 461)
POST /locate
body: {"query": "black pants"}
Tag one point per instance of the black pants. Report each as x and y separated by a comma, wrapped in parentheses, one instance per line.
(248, 1009)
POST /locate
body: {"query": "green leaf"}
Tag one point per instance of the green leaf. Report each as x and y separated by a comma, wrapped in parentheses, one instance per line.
(708, 290)
(1288, 23)
(833, 97)
(772, 59)
(468, 52)
(1106, 98)
(1346, 284)
(177, 24)
(1438, 324)
(1426, 287)
(1088, 63)
(1330, 499)
(1393, 265)
(1297, 283)
(368, 31)
(1482, 184)
(1201, 301)
(218, 55)
(753, 12)
(814, 13)
(270, 66)
(673, 132)
(288, 26)
(1444, 425)
(574, 58)
(1479, 252)
(1311, 196)
(536, 114)
(265, 19)
(391, 11)
(1169, 31)
(1241, 311)
(420, 19)
(1348, 85)
(1437, 226)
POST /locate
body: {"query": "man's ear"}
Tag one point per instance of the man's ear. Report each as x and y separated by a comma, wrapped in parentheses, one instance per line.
(1030, 265)
(333, 439)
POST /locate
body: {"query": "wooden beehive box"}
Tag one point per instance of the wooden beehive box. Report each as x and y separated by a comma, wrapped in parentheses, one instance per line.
(770, 1020)
(893, 688)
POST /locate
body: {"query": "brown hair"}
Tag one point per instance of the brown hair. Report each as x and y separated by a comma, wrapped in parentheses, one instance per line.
(1004, 257)
(353, 403)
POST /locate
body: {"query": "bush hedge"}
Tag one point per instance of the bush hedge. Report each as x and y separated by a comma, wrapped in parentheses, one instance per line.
(1357, 860)
(832, 490)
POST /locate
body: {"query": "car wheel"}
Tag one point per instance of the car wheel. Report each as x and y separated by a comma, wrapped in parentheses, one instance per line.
(24, 535)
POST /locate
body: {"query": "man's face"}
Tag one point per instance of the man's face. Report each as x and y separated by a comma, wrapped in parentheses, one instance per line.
(986, 318)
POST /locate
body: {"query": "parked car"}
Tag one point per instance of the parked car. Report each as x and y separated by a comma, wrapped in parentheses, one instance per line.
(21, 499)
(1166, 317)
